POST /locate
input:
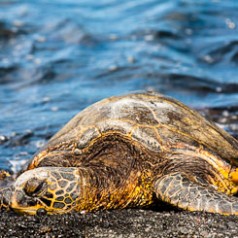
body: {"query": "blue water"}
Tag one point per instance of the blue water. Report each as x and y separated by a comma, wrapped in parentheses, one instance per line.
(57, 57)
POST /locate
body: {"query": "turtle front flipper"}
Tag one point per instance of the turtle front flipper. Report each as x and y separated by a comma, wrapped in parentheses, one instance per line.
(178, 190)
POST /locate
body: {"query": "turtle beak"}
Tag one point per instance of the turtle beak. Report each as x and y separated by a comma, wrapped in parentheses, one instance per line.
(6, 188)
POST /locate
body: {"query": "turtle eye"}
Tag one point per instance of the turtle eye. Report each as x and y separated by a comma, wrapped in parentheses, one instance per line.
(35, 187)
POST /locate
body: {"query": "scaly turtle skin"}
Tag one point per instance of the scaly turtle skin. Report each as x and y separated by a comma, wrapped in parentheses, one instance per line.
(131, 151)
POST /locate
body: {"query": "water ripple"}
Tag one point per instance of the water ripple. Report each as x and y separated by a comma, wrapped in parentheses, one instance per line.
(57, 57)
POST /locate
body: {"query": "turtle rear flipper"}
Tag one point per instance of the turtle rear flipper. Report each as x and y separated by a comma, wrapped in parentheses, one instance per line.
(178, 190)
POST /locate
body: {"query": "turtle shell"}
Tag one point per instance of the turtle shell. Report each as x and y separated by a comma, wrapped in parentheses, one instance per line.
(150, 120)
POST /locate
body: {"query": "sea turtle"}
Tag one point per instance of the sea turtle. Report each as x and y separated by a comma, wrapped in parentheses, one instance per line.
(130, 151)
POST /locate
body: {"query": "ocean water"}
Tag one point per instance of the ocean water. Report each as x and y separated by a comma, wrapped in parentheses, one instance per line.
(57, 57)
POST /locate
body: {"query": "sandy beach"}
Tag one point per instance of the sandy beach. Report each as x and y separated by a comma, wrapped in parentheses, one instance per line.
(120, 223)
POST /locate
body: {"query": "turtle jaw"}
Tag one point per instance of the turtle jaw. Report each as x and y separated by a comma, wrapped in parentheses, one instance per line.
(26, 210)
(30, 206)
(33, 210)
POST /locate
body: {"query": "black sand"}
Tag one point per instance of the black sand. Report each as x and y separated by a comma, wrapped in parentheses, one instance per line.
(120, 223)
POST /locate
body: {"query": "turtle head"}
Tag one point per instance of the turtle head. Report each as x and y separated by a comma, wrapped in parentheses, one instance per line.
(54, 189)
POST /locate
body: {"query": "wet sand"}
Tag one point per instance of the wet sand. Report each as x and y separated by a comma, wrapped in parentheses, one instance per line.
(120, 223)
